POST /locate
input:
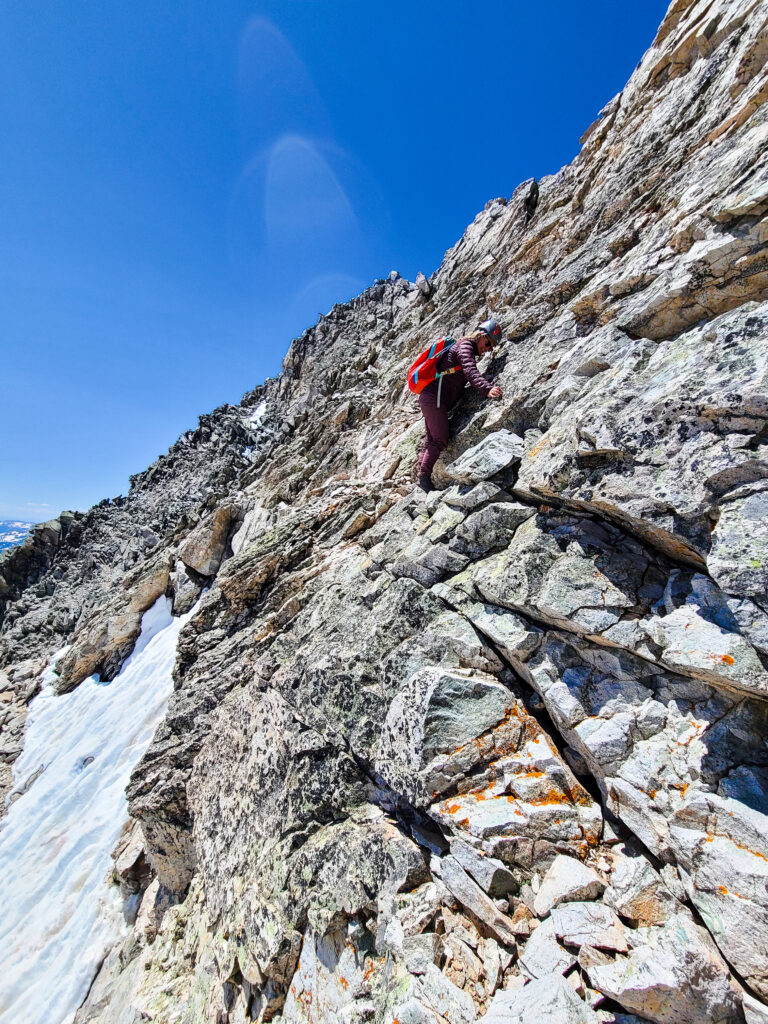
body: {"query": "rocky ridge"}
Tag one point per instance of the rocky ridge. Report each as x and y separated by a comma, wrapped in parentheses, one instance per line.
(499, 752)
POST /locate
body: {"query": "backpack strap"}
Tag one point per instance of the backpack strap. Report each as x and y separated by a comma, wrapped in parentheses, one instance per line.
(439, 376)
(439, 379)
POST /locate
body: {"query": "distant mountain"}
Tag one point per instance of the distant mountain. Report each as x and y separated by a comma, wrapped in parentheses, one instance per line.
(12, 531)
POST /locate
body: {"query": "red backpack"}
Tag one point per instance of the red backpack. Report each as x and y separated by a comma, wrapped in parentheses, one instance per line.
(424, 369)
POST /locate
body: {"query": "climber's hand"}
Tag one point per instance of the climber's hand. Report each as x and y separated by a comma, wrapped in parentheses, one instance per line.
(495, 392)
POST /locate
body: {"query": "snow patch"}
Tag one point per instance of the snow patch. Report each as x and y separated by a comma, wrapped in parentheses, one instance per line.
(59, 914)
(258, 413)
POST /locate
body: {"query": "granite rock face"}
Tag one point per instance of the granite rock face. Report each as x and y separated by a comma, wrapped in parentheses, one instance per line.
(497, 751)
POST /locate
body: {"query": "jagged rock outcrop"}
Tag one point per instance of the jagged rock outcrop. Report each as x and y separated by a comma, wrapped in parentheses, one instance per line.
(500, 750)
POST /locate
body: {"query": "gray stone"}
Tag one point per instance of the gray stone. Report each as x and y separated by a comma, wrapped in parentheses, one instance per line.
(591, 924)
(490, 874)
(414, 1012)
(638, 893)
(490, 528)
(670, 977)
(739, 557)
(204, 547)
(689, 643)
(752, 620)
(516, 637)
(543, 954)
(423, 284)
(186, 589)
(722, 847)
(470, 895)
(526, 804)
(445, 998)
(754, 1012)
(419, 951)
(549, 998)
(567, 879)
(473, 496)
(494, 453)
(418, 909)
(426, 562)
(435, 713)
(604, 711)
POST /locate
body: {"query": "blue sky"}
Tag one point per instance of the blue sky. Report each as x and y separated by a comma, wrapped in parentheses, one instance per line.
(184, 187)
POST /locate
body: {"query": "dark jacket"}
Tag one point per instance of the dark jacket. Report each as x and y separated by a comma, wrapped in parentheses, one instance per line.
(463, 355)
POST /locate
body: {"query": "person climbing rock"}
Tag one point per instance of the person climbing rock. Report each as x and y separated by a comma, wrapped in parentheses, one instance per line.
(456, 367)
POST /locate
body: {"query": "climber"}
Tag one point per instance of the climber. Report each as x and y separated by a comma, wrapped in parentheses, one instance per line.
(455, 367)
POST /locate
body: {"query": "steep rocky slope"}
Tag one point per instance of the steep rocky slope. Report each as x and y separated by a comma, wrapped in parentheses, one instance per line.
(501, 750)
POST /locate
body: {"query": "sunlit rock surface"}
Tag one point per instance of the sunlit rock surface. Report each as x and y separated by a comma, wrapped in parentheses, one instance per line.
(499, 750)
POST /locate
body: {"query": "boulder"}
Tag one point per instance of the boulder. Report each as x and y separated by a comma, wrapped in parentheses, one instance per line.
(490, 874)
(107, 637)
(204, 548)
(754, 1012)
(637, 892)
(543, 955)
(445, 998)
(470, 895)
(591, 924)
(490, 528)
(423, 285)
(567, 879)
(470, 497)
(671, 976)
(549, 998)
(434, 714)
(494, 453)
(722, 849)
(738, 560)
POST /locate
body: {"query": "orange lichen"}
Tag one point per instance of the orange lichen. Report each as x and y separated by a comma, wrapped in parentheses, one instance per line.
(552, 798)
(725, 659)
(722, 890)
(480, 792)
(370, 967)
(343, 982)
(753, 852)
(534, 452)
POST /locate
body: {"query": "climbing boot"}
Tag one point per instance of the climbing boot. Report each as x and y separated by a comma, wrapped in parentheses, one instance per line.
(425, 484)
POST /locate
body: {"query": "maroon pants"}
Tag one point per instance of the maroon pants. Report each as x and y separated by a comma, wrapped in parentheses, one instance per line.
(436, 430)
